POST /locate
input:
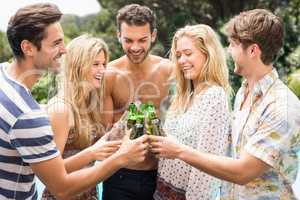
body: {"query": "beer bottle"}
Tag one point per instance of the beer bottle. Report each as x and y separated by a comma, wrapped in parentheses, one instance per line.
(152, 121)
(142, 108)
(138, 128)
(131, 118)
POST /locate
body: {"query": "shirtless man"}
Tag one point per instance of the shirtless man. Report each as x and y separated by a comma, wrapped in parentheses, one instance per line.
(136, 76)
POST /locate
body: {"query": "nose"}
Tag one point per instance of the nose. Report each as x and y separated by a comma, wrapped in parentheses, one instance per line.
(62, 49)
(135, 47)
(181, 60)
(102, 68)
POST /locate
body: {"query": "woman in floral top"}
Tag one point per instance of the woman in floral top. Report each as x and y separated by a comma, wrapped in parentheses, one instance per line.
(199, 114)
(266, 119)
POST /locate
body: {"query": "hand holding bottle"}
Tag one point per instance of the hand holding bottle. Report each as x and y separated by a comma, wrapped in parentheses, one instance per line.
(165, 147)
(133, 151)
(102, 149)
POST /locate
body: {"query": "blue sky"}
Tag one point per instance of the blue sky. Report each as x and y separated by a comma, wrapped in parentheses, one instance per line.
(78, 7)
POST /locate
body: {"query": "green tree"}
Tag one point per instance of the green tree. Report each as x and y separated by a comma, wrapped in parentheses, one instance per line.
(174, 14)
(294, 82)
(45, 88)
(5, 51)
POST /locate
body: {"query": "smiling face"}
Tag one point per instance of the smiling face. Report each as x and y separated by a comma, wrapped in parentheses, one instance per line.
(136, 41)
(52, 48)
(240, 58)
(189, 58)
(96, 71)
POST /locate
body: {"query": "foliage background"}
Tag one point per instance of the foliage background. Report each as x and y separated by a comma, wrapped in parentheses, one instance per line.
(171, 15)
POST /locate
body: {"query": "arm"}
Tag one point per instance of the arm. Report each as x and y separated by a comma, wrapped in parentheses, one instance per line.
(65, 185)
(274, 136)
(239, 171)
(62, 120)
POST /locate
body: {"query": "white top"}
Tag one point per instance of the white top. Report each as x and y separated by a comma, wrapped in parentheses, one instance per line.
(205, 127)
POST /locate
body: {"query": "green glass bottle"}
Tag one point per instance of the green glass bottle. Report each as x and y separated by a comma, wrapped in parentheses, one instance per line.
(131, 118)
(142, 108)
(138, 128)
(152, 121)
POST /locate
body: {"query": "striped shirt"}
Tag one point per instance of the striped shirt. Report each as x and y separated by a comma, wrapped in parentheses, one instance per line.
(25, 137)
(270, 131)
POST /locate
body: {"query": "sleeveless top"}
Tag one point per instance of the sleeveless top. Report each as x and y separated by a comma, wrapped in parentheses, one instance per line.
(70, 150)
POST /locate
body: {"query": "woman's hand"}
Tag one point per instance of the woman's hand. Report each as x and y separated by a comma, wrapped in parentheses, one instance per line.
(118, 130)
(133, 151)
(165, 147)
(102, 149)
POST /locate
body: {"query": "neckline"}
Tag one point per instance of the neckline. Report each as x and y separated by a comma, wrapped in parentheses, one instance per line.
(5, 73)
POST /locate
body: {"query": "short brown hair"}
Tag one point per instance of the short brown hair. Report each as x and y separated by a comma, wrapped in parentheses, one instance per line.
(29, 23)
(258, 26)
(135, 14)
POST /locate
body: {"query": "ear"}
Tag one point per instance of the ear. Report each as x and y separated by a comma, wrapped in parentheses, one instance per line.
(27, 47)
(255, 50)
(154, 35)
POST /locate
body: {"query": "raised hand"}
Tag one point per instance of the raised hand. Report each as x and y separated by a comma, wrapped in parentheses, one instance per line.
(118, 130)
(116, 133)
(165, 147)
(102, 149)
(134, 151)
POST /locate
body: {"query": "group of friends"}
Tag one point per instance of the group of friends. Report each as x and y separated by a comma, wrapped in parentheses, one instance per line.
(248, 153)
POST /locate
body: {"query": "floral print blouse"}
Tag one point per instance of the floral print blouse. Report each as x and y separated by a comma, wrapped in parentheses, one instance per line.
(204, 126)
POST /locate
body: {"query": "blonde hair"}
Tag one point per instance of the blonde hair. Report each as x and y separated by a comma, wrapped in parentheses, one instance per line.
(214, 71)
(85, 101)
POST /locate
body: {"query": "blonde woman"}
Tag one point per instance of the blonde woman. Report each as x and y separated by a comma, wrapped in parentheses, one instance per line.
(198, 116)
(266, 119)
(74, 112)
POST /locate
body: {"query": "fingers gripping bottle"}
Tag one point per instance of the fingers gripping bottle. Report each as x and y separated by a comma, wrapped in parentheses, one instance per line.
(131, 117)
(152, 121)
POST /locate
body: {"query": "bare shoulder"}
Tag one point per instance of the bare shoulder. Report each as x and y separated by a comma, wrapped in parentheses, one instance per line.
(117, 64)
(58, 106)
(163, 65)
(114, 69)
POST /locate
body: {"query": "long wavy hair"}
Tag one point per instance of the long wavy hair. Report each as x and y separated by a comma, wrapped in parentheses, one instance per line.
(84, 99)
(214, 71)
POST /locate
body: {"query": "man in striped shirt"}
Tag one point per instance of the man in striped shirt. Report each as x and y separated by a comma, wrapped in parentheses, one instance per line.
(26, 140)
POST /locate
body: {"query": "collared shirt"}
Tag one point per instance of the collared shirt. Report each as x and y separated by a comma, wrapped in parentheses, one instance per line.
(270, 131)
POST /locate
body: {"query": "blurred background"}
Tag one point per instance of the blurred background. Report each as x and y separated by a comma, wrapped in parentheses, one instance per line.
(98, 18)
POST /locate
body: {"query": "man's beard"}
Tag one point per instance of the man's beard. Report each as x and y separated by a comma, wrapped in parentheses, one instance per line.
(139, 60)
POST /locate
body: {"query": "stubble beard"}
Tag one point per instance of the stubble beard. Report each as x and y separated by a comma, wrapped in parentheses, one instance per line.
(139, 61)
